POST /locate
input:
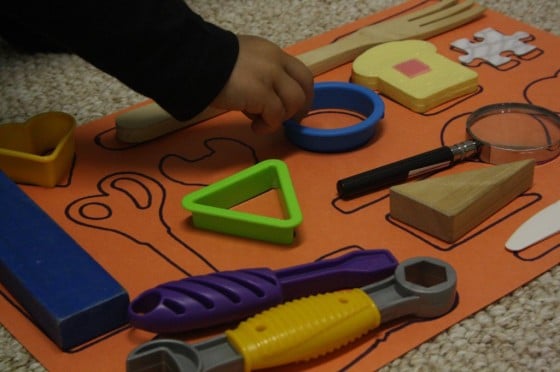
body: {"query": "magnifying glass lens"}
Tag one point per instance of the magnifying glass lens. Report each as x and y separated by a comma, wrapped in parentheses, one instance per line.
(515, 131)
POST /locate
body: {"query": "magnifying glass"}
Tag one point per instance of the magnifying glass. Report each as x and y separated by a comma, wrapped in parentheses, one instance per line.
(498, 133)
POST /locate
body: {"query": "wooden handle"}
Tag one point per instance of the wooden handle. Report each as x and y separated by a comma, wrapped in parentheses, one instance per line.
(151, 121)
(332, 55)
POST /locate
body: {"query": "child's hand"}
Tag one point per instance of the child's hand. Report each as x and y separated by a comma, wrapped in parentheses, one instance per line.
(267, 84)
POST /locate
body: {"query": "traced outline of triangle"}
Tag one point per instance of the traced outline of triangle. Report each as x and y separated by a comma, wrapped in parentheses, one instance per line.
(280, 180)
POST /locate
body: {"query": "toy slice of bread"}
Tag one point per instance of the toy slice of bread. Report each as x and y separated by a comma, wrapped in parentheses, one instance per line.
(412, 73)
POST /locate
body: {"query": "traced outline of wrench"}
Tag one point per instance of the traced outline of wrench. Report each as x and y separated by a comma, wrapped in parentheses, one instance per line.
(212, 145)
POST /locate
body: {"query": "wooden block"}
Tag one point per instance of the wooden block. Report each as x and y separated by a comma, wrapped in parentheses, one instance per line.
(448, 207)
(66, 292)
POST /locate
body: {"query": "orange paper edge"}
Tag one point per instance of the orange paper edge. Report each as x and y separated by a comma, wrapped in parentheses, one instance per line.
(130, 242)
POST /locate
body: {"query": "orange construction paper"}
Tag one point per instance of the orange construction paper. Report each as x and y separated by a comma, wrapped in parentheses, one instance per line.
(122, 203)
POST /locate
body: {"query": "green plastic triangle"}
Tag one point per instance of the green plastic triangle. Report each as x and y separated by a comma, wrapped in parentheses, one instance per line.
(211, 205)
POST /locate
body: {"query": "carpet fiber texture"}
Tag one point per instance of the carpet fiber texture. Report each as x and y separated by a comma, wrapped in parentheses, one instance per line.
(520, 332)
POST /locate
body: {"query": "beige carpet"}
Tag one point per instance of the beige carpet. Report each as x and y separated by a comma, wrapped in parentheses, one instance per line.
(521, 332)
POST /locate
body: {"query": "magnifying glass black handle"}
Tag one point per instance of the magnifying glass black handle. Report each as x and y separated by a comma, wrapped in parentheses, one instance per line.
(403, 170)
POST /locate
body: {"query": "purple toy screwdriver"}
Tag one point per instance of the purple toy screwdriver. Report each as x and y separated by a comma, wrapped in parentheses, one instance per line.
(223, 297)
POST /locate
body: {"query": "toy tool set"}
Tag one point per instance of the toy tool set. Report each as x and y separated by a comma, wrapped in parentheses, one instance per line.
(313, 326)
(142, 250)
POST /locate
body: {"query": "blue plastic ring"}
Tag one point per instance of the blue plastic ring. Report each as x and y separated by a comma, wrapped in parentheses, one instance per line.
(339, 95)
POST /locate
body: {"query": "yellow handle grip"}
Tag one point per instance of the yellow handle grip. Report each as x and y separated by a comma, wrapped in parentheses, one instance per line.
(304, 329)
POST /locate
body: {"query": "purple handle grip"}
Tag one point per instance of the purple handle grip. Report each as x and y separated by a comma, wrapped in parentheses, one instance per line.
(352, 270)
(223, 297)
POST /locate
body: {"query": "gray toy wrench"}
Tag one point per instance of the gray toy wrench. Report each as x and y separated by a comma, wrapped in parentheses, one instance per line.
(309, 327)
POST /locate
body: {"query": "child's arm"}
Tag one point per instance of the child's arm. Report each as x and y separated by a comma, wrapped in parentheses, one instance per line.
(163, 50)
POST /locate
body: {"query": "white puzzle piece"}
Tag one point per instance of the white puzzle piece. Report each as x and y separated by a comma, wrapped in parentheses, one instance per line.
(492, 45)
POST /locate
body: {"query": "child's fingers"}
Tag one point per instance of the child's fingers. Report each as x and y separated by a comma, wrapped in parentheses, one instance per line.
(303, 76)
(292, 95)
(273, 113)
(268, 114)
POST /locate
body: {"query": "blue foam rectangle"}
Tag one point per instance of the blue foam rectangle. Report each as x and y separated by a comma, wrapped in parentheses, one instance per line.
(66, 292)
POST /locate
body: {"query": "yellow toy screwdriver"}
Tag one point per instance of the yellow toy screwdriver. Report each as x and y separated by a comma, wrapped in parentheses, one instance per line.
(309, 327)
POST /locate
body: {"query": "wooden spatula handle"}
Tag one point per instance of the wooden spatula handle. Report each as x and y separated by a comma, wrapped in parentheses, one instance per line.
(332, 55)
(151, 121)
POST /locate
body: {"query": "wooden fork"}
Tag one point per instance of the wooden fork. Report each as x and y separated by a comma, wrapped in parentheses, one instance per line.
(151, 121)
(422, 24)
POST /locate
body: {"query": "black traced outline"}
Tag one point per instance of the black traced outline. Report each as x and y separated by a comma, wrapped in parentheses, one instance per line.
(537, 257)
(211, 151)
(392, 328)
(131, 176)
(556, 75)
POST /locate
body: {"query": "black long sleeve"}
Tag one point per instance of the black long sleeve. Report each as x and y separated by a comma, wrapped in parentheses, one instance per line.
(159, 48)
